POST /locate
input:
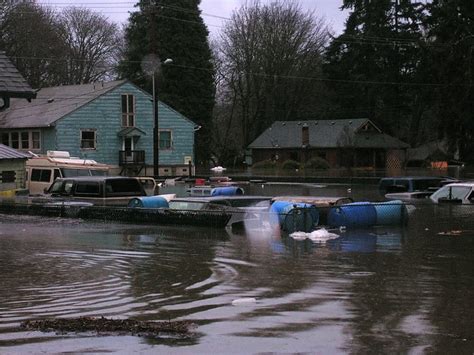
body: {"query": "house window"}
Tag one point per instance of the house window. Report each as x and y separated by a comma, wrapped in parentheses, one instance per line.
(26, 140)
(5, 139)
(15, 140)
(7, 176)
(88, 139)
(128, 110)
(165, 139)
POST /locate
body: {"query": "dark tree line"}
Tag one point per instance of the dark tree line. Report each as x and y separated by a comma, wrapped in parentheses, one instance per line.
(408, 66)
(405, 64)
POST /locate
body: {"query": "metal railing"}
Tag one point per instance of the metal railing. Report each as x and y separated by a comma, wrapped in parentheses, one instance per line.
(131, 157)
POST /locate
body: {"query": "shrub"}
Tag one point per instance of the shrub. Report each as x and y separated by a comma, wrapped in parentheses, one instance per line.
(317, 163)
(264, 164)
(290, 165)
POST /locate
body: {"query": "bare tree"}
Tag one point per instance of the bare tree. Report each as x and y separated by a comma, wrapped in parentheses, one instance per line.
(270, 57)
(93, 45)
(29, 35)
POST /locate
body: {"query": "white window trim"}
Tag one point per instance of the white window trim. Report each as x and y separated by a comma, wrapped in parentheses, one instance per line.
(128, 113)
(95, 138)
(30, 139)
(171, 139)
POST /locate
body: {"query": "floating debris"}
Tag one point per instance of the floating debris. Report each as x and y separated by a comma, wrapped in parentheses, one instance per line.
(244, 301)
(453, 232)
(104, 325)
(321, 235)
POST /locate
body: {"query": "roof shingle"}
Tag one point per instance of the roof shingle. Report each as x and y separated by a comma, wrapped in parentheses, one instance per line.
(10, 153)
(53, 103)
(12, 83)
(325, 134)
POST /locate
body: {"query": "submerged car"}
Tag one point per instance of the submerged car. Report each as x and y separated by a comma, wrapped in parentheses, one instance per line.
(410, 184)
(242, 208)
(461, 193)
(97, 190)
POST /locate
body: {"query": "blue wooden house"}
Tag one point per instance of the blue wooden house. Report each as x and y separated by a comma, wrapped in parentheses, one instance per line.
(110, 122)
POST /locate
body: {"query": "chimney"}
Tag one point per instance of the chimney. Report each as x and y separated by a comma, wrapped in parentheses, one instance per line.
(305, 135)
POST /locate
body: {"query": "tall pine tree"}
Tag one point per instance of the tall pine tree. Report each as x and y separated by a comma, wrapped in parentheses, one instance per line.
(174, 29)
(451, 31)
(371, 67)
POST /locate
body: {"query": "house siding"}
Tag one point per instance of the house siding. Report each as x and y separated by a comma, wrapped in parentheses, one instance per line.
(182, 137)
(104, 115)
(48, 140)
(16, 165)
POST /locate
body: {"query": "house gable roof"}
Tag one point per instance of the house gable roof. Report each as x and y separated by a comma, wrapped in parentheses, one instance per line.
(10, 153)
(52, 104)
(12, 83)
(360, 133)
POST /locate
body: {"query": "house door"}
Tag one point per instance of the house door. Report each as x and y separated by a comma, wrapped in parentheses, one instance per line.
(128, 148)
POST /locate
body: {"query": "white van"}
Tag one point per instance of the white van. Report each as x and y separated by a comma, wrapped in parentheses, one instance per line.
(41, 171)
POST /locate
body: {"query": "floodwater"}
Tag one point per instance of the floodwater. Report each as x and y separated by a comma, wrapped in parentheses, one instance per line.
(402, 289)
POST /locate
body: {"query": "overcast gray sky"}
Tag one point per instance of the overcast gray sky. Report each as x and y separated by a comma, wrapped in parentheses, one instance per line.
(117, 10)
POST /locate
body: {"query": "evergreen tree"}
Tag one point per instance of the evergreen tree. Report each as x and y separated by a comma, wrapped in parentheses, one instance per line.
(450, 29)
(174, 29)
(372, 66)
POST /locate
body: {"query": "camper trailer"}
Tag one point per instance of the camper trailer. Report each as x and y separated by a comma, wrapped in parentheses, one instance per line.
(41, 171)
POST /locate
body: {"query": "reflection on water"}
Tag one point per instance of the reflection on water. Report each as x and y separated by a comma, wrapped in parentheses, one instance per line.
(377, 290)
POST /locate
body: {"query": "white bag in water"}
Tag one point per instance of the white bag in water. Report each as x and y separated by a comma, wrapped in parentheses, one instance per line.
(318, 236)
(244, 301)
(299, 235)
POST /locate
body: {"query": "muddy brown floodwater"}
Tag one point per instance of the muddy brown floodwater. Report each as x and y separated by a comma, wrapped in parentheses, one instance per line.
(402, 289)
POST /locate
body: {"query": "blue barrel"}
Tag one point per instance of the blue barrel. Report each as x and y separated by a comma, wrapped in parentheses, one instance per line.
(227, 191)
(357, 214)
(294, 217)
(390, 212)
(148, 202)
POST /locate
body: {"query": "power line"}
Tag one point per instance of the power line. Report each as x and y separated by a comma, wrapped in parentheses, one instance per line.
(292, 77)
(114, 5)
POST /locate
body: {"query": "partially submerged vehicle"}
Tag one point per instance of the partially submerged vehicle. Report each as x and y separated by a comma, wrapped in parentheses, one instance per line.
(412, 188)
(208, 191)
(96, 190)
(42, 170)
(457, 193)
(410, 184)
(242, 208)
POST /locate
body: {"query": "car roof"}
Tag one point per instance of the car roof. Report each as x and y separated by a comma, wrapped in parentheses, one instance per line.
(462, 184)
(96, 178)
(220, 198)
(415, 178)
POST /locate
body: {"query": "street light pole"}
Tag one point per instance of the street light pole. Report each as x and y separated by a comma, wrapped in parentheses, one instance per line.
(151, 65)
(156, 146)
